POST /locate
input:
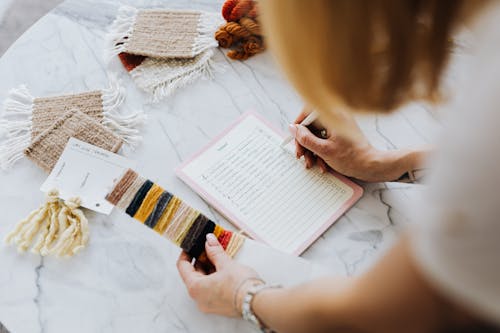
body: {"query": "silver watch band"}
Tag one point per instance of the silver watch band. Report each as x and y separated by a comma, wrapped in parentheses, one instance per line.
(246, 308)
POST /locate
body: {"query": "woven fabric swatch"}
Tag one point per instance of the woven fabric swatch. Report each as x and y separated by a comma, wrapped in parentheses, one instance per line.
(26, 117)
(161, 78)
(162, 33)
(169, 216)
(47, 147)
(164, 50)
(47, 109)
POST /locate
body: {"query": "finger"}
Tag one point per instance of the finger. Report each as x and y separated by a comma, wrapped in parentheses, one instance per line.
(299, 150)
(310, 141)
(322, 165)
(186, 269)
(216, 253)
(300, 117)
(309, 158)
(306, 110)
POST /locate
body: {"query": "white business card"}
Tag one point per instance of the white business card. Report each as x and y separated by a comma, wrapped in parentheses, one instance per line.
(87, 172)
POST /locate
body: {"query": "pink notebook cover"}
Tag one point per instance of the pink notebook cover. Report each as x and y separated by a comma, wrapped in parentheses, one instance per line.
(357, 190)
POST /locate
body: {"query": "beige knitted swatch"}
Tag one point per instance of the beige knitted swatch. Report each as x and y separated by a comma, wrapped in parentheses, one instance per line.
(164, 34)
(47, 109)
(47, 147)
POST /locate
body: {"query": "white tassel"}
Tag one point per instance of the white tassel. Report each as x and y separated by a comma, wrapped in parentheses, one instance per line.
(27, 229)
(119, 31)
(16, 123)
(75, 236)
(52, 231)
(126, 126)
(55, 221)
(208, 23)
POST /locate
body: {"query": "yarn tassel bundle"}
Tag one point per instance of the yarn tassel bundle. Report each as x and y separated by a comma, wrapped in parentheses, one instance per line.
(59, 227)
(163, 50)
(242, 32)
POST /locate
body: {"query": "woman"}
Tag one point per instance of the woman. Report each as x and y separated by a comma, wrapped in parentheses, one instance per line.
(376, 56)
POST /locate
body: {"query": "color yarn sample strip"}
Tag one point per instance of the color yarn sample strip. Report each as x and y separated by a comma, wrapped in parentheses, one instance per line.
(169, 216)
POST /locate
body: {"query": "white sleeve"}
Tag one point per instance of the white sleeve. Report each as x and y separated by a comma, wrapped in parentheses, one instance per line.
(456, 242)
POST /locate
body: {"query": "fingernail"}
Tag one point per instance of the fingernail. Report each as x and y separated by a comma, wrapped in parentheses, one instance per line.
(212, 240)
(292, 129)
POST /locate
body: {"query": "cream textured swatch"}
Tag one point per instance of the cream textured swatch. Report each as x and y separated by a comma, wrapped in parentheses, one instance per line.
(164, 34)
(161, 33)
(161, 77)
(48, 109)
(47, 147)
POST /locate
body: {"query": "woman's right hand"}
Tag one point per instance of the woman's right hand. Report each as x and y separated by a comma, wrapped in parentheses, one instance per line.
(351, 156)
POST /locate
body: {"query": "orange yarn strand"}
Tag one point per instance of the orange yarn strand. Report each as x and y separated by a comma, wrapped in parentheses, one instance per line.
(224, 38)
(253, 46)
(238, 54)
(227, 8)
(241, 9)
(237, 30)
(253, 13)
(250, 25)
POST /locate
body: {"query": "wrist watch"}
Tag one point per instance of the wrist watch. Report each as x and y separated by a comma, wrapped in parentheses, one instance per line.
(246, 308)
(413, 176)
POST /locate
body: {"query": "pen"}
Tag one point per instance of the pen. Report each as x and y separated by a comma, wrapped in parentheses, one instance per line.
(306, 122)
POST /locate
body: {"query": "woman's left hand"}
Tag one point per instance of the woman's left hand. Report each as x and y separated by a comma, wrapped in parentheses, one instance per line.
(219, 292)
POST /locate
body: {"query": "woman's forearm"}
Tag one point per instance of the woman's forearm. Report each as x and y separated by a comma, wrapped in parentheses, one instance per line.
(391, 165)
(302, 308)
(391, 297)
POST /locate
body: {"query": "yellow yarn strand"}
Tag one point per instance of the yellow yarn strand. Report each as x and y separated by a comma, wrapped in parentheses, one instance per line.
(148, 204)
(218, 231)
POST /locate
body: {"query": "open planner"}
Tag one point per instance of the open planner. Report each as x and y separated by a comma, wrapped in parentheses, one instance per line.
(264, 190)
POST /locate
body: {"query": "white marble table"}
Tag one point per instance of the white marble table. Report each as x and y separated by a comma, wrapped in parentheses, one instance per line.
(126, 280)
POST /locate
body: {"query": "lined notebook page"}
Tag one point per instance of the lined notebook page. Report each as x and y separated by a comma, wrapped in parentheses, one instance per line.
(264, 189)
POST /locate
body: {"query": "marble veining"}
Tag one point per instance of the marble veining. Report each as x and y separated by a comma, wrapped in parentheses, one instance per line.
(126, 280)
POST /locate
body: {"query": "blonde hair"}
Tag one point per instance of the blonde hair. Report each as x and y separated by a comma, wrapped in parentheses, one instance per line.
(365, 55)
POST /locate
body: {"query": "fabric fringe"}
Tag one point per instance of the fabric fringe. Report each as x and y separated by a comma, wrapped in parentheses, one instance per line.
(60, 226)
(16, 123)
(120, 30)
(204, 69)
(126, 126)
(208, 23)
